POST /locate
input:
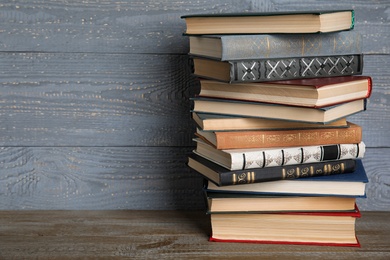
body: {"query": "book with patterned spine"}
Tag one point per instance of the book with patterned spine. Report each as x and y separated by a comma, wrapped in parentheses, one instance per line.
(350, 185)
(260, 46)
(261, 70)
(242, 159)
(223, 177)
(282, 138)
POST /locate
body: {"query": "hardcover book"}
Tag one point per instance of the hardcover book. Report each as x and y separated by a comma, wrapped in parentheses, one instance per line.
(216, 122)
(271, 22)
(305, 228)
(260, 46)
(345, 185)
(262, 70)
(316, 92)
(224, 177)
(322, 115)
(244, 159)
(282, 138)
(243, 203)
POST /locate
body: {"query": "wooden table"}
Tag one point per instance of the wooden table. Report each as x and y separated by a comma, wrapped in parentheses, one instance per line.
(160, 235)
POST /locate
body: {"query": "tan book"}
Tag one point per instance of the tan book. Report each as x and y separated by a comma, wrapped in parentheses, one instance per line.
(215, 122)
(323, 115)
(282, 138)
(315, 92)
(270, 22)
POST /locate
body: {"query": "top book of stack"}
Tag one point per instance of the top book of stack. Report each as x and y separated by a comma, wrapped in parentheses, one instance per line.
(275, 22)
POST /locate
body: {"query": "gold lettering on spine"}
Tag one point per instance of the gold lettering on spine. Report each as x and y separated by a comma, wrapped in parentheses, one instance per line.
(253, 176)
(298, 172)
(342, 167)
(234, 178)
(268, 46)
(283, 173)
(311, 170)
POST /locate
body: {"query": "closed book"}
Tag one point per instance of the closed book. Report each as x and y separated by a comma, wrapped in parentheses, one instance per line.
(244, 159)
(270, 22)
(348, 184)
(218, 202)
(272, 69)
(282, 138)
(316, 92)
(322, 115)
(222, 177)
(219, 122)
(260, 46)
(302, 228)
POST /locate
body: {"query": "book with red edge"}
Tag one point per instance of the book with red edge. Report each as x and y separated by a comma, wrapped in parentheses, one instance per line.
(325, 229)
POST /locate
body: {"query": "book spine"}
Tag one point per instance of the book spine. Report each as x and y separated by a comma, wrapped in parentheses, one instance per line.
(249, 47)
(296, 155)
(288, 138)
(287, 172)
(295, 68)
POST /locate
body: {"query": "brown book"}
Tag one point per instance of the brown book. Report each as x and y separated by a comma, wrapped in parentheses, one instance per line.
(282, 138)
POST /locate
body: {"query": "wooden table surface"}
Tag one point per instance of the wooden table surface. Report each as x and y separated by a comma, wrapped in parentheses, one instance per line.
(160, 235)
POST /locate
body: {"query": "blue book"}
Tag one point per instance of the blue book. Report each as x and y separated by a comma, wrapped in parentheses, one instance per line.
(347, 184)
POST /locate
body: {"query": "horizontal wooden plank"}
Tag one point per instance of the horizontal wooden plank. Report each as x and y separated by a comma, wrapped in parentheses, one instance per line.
(149, 26)
(160, 235)
(67, 99)
(97, 178)
(128, 178)
(94, 99)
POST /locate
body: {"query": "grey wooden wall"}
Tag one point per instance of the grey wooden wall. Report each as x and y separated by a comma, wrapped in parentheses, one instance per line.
(94, 110)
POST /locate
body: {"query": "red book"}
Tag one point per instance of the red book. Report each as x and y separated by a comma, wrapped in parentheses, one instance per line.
(300, 228)
(314, 92)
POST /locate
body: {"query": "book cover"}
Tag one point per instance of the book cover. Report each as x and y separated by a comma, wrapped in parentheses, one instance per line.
(244, 159)
(260, 46)
(314, 92)
(349, 184)
(356, 244)
(326, 228)
(254, 109)
(218, 122)
(219, 202)
(262, 70)
(270, 22)
(222, 177)
(282, 138)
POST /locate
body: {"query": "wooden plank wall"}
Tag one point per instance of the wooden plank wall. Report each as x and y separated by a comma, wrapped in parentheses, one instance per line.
(94, 109)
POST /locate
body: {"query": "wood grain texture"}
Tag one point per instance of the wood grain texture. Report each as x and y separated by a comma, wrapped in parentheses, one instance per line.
(43, 178)
(94, 110)
(160, 235)
(150, 26)
(63, 99)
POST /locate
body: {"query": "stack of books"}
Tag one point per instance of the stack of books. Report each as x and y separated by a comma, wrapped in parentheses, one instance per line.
(282, 164)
